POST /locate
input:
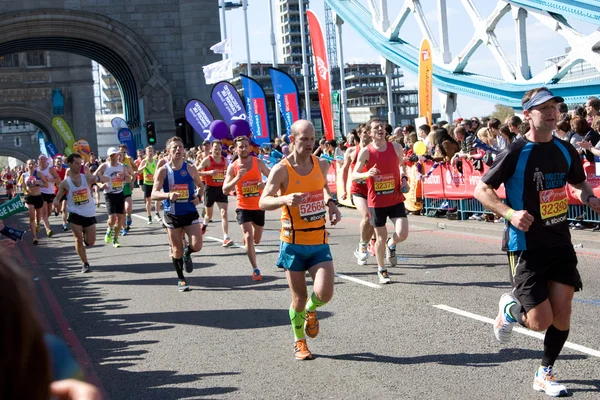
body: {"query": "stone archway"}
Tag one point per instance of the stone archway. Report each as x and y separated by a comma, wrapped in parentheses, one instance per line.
(16, 154)
(40, 118)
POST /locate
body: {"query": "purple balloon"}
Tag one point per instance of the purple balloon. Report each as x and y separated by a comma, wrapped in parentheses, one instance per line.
(240, 127)
(218, 129)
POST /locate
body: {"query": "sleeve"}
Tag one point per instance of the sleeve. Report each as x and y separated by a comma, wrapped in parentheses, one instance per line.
(502, 168)
(576, 172)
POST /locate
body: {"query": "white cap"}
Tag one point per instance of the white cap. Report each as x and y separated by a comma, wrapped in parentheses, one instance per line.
(111, 151)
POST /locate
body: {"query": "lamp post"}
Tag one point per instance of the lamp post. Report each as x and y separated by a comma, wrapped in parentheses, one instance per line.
(223, 24)
(274, 59)
(245, 8)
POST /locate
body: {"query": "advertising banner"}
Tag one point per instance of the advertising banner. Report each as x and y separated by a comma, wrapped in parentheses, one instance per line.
(82, 147)
(125, 137)
(118, 123)
(64, 131)
(52, 150)
(228, 102)
(42, 143)
(199, 117)
(322, 70)
(426, 81)
(12, 207)
(286, 97)
(335, 107)
(256, 105)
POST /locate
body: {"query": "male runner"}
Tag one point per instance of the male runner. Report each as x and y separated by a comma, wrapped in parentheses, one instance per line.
(48, 171)
(359, 193)
(33, 180)
(543, 264)
(212, 168)
(80, 205)
(174, 183)
(148, 169)
(245, 175)
(92, 167)
(113, 194)
(383, 161)
(128, 188)
(298, 185)
(61, 205)
(9, 179)
(138, 177)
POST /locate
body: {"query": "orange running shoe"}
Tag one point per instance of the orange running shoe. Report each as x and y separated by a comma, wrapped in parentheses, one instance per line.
(301, 350)
(256, 276)
(311, 326)
(227, 242)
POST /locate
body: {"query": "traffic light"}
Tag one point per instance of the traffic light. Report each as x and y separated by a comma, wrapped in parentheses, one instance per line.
(150, 133)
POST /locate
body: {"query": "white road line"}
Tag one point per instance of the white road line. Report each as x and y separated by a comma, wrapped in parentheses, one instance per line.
(214, 239)
(520, 330)
(356, 280)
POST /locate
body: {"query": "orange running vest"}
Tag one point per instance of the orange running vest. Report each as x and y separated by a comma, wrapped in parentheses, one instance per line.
(247, 191)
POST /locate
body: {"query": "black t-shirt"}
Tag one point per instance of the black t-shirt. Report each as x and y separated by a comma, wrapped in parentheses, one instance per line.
(535, 176)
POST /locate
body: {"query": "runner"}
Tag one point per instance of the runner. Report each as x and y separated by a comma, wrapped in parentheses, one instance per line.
(92, 167)
(81, 207)
(113, 194)
(174, 184)
(543, 265)
(128, 188)
(32, 183)
(383, 162)
(9, 179)
(245, 175)
(62, 204)
(48, 171)
(359, 193)
(212, 168)
(148, 169)
(139, 177)
(298, 185)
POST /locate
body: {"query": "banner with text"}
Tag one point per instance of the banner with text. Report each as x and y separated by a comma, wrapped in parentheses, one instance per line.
(286, 97)
(125, 137)
(64, 131)
(52, 150)
(12, 207)
(256, 105)
(42, 144)
(82, 147)
(199, 117)
(228, 102)
(426, 82)
(335, 108)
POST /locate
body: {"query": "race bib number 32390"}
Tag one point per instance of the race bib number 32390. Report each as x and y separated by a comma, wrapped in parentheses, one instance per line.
(553, 203)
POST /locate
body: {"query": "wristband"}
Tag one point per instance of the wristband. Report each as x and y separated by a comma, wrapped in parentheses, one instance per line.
(331, 201)
(509, 214)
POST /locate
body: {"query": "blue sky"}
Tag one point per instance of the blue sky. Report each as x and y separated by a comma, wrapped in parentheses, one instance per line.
(542, 42)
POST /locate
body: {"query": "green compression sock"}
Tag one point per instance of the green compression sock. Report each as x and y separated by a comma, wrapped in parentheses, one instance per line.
(314, 303)
(297, 319)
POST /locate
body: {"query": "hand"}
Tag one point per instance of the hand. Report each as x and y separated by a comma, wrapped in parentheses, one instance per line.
(595, 205)
(173, 196)
(196, 201)
(585, 144)
(373, 171)
(71, 389)
(293, 199)
(521, 220)
(405, 187)
(120, 175)
(242, 172)
(261, 185)
(334, 214)
(344, 195)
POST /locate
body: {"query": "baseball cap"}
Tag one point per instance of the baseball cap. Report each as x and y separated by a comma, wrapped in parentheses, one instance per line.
(111, 151)
(541, 97)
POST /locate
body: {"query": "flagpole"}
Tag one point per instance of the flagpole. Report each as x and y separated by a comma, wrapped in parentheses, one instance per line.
(223, 24)
(305, 71)
(245, 8)
(274, 56)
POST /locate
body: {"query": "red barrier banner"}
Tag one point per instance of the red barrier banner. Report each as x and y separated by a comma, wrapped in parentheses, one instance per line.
(592, 179)
(332, 178)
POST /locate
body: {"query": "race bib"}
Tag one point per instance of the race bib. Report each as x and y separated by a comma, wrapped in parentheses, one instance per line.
(149, 177)
(312, 207)
(384, 184)
(554, 205)
(250, 189)
(183, 191)
(80, 197)
(116, 183)
(219, 176)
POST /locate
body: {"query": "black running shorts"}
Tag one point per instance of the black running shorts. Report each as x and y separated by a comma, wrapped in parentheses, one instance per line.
(257, 217)
(147, 190)
(84, 222)
(531, 270)
(36, 201)
(48, 198)
(378, 216)
(115, 203)
(214, 194)
(179, 221)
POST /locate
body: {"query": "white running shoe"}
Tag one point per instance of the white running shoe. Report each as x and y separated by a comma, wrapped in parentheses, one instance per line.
(384, 278)
(504, 323)
(361, 255)
(544, 381)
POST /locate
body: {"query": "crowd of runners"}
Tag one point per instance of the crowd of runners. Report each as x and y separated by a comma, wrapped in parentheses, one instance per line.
(542, 261)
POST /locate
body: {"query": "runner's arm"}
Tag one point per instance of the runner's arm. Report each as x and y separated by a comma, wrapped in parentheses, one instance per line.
(159, 180)
(143, 165)
(334, 213)
(62, 190)
(361, 161)
(268, 200)
(264, 170)
(230, 179)
(100, 171)
(204, 164)
(197, 181)
(346, 167)
(54, 174)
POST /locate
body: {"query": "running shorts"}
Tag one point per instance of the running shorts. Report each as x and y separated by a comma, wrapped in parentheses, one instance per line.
(84, 222)
(115, 203)
(48, 198)
(300, 257)
(36, 201)
(531, 270)
(257, 217)
(214, 194)
(179, 221)
(147, 190)
(127, 191)
(378, 215)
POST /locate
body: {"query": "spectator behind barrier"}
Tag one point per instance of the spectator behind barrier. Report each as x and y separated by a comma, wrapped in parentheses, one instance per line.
(445, 146)
(423, 134)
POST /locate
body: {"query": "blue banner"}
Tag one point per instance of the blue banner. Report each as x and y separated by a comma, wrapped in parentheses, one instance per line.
(52, 150)
(42, 143)
(199, 117)
(286, 97)
(256, 106)
(228, 102)
(126, 137)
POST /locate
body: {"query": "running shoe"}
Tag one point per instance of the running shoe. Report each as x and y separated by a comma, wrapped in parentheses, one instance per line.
(56, 213)
(256, 276)
(108, 235)
(301, 350)
(361, 254)
(371, 247)
(390, 253)
(227, 242)
(384, 278)
(596, 228)
(149, 220)
(49, 233)
(116, 243)
(182, 286)
(544, 381)
(311, 326)
(204, 226)
(124, 232)
(157, 217)
(65, 228)
(86, 268)
(504, 322)
(128, 220)
(35, 242)
(187, 260)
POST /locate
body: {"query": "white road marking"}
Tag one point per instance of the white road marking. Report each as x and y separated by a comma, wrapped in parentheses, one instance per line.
(520, 330)
(356, 280)
(214, 239)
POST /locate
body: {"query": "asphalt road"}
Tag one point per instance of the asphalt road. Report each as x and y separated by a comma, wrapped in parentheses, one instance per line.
(230, 337)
